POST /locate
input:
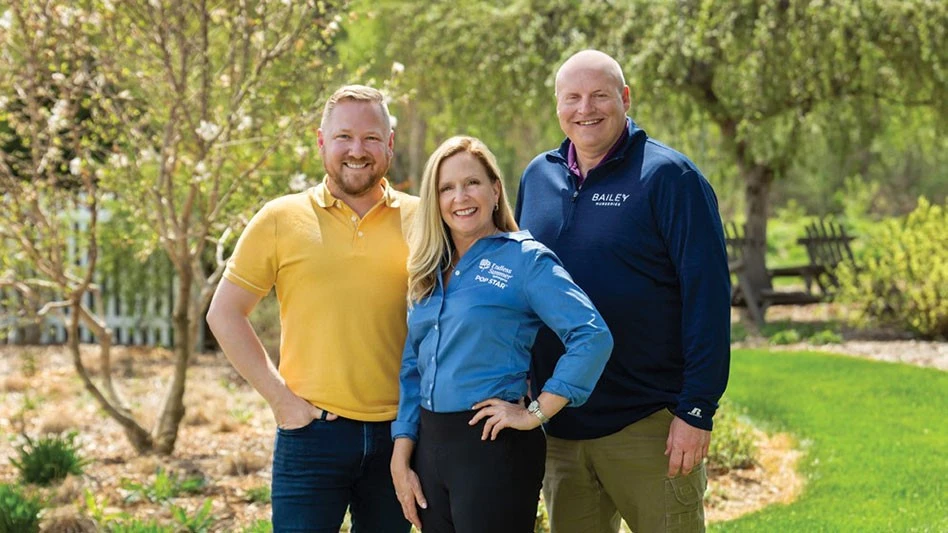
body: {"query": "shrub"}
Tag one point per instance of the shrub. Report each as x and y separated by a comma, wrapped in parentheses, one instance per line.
(902, 280)
(18, 512)
(49, 459)
(826, 336)
(787, 336)
(733, 445)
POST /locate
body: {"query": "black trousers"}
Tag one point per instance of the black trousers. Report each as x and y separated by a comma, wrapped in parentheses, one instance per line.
(475, 486)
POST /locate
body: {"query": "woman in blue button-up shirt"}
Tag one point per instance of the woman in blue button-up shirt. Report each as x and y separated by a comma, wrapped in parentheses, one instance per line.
(480, 290)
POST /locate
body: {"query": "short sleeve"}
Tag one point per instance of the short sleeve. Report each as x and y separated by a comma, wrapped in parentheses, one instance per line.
(253, 266)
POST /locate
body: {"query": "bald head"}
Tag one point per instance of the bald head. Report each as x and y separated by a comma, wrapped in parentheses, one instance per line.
(591, 103)
(590, 61)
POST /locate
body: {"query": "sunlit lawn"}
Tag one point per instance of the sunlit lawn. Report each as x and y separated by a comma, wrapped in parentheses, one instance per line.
(874, 437)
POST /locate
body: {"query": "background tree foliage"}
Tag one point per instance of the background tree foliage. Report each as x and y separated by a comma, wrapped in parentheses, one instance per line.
(755, 79)
(208, 108)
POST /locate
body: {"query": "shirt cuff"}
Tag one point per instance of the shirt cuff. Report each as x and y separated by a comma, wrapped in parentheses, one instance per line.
(699, 415)
(404, 430)
(574, 395)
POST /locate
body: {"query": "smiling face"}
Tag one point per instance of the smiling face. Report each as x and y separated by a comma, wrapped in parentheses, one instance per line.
(591, 103)
(355, 143)
(466, 197)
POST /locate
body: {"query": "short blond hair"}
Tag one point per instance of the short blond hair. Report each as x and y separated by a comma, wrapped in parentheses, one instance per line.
(356, 93)
(430, 247)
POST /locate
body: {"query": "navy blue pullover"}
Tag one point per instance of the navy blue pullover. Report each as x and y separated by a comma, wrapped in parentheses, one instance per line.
(644, 239)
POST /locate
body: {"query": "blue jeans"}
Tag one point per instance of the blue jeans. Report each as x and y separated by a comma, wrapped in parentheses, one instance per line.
(324, 467)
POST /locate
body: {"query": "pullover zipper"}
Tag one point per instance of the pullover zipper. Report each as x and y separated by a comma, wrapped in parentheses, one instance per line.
(572, 205)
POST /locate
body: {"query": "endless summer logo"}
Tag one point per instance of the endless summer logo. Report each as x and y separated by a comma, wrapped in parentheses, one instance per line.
(609, 199)
(493, 274)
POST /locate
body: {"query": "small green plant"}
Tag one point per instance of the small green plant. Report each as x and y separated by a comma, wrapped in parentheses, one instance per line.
(826, 336)
(18, 512)
(98, 511)
(258, 526)
(787, 336)
(49, 459)
(200, 522)
(733, 445)
(164, 487)
(259, 494)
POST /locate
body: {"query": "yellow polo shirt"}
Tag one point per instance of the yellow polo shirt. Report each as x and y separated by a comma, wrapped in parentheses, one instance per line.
(342, 284)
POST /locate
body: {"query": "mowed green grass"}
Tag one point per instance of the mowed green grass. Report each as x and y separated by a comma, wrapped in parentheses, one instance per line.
(875, 438)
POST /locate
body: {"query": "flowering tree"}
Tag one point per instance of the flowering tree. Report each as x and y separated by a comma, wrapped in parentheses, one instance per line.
(55, 133)
(207, 101)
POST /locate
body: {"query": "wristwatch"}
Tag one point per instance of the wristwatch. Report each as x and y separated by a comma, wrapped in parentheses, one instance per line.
(534, 409)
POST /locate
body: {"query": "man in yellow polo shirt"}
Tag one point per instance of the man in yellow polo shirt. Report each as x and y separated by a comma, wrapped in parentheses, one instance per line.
(337, 257)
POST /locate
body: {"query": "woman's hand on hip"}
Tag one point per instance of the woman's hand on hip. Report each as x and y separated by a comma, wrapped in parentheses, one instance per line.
(499, 414)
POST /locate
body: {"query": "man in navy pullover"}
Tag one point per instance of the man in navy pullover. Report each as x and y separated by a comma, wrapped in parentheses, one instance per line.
(637, 226)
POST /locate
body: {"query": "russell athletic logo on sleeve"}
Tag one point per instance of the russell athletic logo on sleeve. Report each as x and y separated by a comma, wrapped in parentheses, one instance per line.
(493, 274)
(695, 412)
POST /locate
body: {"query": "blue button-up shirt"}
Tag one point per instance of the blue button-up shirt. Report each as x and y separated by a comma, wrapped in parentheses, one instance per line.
(471, 341)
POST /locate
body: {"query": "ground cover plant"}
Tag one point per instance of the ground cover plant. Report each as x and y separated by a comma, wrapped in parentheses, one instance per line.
(871, 433)
(18, 512)
(49, 459)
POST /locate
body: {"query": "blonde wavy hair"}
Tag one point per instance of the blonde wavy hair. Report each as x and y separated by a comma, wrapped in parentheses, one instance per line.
(430, 246)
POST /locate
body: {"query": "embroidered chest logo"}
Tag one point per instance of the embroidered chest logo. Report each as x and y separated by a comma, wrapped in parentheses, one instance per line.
(493, 274)
(609, 199)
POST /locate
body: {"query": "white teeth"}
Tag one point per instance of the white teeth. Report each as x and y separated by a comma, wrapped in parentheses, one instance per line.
(356, 165)
(588, 122)
(465, 212)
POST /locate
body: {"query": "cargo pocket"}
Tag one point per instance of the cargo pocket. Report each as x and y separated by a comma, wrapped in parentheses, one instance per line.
(684, 502)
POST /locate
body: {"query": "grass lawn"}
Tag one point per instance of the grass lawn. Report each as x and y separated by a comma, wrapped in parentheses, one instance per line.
(874, 435)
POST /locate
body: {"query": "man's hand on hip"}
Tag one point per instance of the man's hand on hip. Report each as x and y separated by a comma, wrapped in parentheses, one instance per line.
(293, 412)
(686, 447)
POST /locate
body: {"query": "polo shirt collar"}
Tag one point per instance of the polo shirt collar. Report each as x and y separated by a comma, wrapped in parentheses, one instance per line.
(325, 199)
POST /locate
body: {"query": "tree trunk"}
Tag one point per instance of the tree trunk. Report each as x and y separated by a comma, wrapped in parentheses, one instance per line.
(416, 146)
(138, 436)
(172, 412)
(103, 337)
(757, 180)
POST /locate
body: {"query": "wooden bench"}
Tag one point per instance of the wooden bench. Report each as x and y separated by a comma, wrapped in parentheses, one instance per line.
(827, 245)
(756, 292)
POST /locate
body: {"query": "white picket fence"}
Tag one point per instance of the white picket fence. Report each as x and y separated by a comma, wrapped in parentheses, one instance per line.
(142, 319)
(145, 322)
